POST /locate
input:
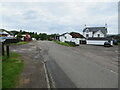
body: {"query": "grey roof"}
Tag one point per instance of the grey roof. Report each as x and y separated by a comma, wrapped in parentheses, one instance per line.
(95, 29)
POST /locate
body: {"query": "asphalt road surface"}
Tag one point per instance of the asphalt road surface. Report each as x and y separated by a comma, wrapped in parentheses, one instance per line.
(84, 66)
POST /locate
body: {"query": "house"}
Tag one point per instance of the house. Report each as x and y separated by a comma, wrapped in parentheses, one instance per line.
(71, 37)
(95, 32)
(4, 34)
(96, 35)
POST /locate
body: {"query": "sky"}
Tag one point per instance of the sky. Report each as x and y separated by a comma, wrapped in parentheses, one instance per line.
(58, 17)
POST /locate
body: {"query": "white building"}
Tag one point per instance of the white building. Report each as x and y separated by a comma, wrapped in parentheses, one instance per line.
(96, 35)
(95, 32)
(71, 37)
(4, 34)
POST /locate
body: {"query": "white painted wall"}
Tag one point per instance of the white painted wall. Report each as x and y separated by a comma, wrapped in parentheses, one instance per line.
(84, 34)
(62, 38)
(96, 42)
(68, 37)
(95, 34)
(98, 32)
(76, 40)
(90, 34)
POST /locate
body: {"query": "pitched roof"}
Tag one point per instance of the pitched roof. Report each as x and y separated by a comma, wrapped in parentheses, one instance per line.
(76, 35)
(95, 29)
(3, 30)
(3, 33)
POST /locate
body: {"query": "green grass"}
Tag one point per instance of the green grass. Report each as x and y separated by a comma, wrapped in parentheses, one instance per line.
(65, 44)
(22, 42)
(11, 69)
(119, 43)
(0, 72)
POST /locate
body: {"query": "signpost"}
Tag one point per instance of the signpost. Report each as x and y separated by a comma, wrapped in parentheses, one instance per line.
(7, 51)
(3, 51)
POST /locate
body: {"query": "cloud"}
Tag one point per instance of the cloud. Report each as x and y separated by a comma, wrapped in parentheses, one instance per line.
(60, 1)
(54, 17)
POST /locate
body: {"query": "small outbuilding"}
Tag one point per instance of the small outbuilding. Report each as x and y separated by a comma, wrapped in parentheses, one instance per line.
(71, 37)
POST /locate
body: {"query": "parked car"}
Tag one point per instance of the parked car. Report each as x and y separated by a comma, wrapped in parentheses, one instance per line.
(107, 44)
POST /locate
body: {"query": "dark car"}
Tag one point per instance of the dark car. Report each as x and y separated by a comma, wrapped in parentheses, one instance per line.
(107, 44)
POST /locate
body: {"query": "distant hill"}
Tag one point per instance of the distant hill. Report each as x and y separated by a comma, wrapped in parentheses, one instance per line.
(114, 36)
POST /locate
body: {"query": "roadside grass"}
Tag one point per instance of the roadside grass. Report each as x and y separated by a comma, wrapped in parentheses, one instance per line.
(22, 42)
(0, 72)
(11, 69)
(65, 44)
(119, 43)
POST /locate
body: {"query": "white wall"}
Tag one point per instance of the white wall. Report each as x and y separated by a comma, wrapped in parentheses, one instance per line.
(95, 34)
(62, 38)
(90, 34)
(96, 42)
(76, 40)
(69, 38)
(98, 32)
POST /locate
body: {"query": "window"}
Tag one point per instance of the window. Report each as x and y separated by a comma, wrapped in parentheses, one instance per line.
(87, 30)
(87, 35)
(98, 35)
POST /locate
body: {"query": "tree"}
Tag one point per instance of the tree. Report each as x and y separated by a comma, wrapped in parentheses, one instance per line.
(19, 36)
(14, 32)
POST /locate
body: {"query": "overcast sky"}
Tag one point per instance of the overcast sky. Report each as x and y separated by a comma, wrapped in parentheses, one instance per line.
(58, 17)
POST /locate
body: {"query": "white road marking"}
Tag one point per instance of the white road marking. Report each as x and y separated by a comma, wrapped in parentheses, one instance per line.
(46, 75)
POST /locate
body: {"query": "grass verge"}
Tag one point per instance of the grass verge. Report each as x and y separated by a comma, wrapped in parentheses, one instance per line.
(22, 42)
(0, 72)
(65, 44)
(11, 69)
(119, 43)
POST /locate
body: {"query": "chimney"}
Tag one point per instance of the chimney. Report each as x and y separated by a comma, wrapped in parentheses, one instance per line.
(85, 25)
(106, 25)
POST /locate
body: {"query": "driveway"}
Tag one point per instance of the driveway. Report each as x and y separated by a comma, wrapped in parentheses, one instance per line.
(83, 66)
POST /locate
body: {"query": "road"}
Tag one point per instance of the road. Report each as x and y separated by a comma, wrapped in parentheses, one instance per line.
(82, 67)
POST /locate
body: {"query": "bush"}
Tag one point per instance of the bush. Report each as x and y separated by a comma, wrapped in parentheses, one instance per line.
(70, 43)
(65, 44)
